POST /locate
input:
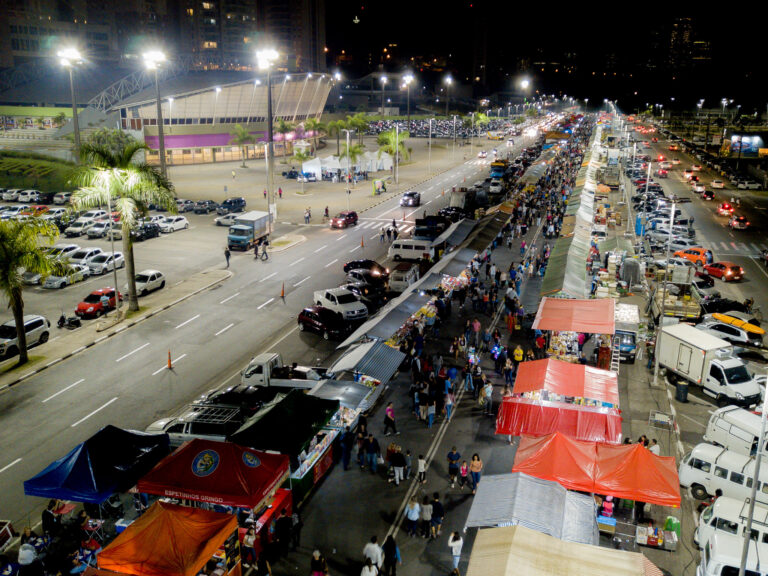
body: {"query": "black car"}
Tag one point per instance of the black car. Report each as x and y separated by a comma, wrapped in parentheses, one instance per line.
(145, 231)
(722, 305)
(45, 197)
(231, 205)
(372, 284)
(205, 206)
(65, 220)
(455, 214)
(410, 198)
(366, 264)
(291, 174)
(323, 321)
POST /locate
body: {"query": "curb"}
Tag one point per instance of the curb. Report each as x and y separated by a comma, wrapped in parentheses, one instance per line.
(300, 240)
(118, 330)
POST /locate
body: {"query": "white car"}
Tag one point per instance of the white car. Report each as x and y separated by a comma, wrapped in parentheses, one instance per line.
(11, 195)
(226, 220)
(696, 167)
(675, 161)
(153, 218)
(13, 211)
(495, 189)
(748, 185)
(62, 251)
(94, 215)
(99, 229)
(62, 197)
(173, 223)
(84, 255)
(29, 196)
(75, 273)
(699, 188)
(106, 262)
(78, 227)
(147, 281)
(717, 184)
(53, 213)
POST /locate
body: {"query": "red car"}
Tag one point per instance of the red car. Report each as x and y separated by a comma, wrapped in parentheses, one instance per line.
(726, 271)
(91, 306)
(725, 209)
(344, 219)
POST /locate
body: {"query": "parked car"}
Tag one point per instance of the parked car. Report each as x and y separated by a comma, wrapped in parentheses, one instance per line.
(738, 223)
(36, 328)
(748, 185)
(226, 220)
(231, 205)
(148, 281)
(74, 273)
(13, 211)
(11, 195)
(62, 251)
(99, 229)
(374, 286)
(106, 262)
(717, 184)
(726, 271)
(366, 264)
(28, 196)
(344, 219)
(291, 174)
(91, 306)
(732, 333)
(205, 206)
(183, 205)
(410, 198)
(78, 228)
(173, 223)
(323, 321)
(306, 177)
(84, 255)
(62, 197)
(145, 231)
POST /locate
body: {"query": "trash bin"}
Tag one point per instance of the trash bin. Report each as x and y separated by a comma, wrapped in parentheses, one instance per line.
(681, 393)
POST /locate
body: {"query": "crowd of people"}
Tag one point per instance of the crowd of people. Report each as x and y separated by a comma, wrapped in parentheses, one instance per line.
(441, 128)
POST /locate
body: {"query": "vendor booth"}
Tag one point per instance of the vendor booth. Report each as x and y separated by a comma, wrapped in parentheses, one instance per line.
(555, 380)
(627, 471)
(514, 550)
(518, 416)
(169, 540)
(296, 426)
(519, 499)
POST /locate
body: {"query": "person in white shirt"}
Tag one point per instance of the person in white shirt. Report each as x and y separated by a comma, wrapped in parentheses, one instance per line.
(373, 551)
(455, 543)
(369, 569)
(654, 448)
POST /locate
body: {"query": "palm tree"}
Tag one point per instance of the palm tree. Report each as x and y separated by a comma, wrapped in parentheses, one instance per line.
(316, 127)
(241, 137)
(353, 153)
(482, 119)
(60, 119)
(129, 186)
(394, 143)
(23, 249)
(301, 157)
(335, 128)
(283, 127)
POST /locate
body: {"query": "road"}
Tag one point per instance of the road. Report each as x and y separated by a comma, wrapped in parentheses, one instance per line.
(210, 337)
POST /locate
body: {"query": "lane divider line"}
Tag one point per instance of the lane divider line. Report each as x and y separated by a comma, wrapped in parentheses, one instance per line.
(195, 317)
(224, 329)
(52, 396)
(132, 352)
(99, 409)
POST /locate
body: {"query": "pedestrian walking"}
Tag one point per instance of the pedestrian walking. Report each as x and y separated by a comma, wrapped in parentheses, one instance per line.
(408, 464)
(455, 543)
(475, 471)
(397, 460)
(394, 233)
(412, 516)
(280, 192)
(422, 469)
(453, 465)
(373, 552)
(372, 452)
(227, 255)
(318, 566)
(438, 514)
(431, 410)
(488, 392)
(306, 216)
(391, 556)
(389, 234)
(369, 569)
(233, 174)
(426, 517)
(449, 402)
(389, 420)
(296, 526)
(104, 301)
(463, 474)
(347, 442)
(381, 235)
(265, 193)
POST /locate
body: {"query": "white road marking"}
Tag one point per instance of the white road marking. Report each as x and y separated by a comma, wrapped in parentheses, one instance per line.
(267, 277)
(177, 283)
(353, 249)
(177, 359)
(693, 420)
(341, 237)
(323, 247)
(51, 397)
(156, 372)
(265, 303)
(132, 352)
(227, 327)
(331, 263)
(99, 409)
(4, 468)
(376, 236)
(297, 261)
(195, 317)
(299, 283)
(230, 298)
(759, 265)
(430, 202)
(406, 230)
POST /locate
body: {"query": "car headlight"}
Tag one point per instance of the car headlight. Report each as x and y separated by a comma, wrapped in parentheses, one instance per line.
(739, 396)
(90, 309)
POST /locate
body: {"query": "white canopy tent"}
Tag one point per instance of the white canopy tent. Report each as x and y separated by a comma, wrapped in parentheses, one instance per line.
(312, 167)
(331, 163)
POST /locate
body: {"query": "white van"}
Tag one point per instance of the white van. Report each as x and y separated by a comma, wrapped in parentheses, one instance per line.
(708, 467)
(735, 429)
(722, 557)
(411, 250)
(403, 276)
(730, 516)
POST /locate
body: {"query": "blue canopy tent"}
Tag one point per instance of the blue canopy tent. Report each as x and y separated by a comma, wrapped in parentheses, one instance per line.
(110, 461)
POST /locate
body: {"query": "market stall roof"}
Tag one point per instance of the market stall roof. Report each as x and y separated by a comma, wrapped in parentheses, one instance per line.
(513, 550)
(349, 394)
(568, 379)
(288, 426)
(375, 359)
(459, 262)
(543, 505)
(168, 540)
(624, 471)
(518, 416)
(456, 233)
(110, 461)
(591, 316)
(218, 472)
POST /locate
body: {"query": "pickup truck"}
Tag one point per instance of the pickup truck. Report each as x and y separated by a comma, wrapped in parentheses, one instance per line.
(268, 370)
(342, 301)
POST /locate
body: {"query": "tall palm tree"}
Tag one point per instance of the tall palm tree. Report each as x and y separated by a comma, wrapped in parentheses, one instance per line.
(335, 128)
(23, 249)
(317, 128)
(358, 122)
(394, 144)
(283, 127)
(301, 157)
(241, 137)
(353, 153)
(129, 186)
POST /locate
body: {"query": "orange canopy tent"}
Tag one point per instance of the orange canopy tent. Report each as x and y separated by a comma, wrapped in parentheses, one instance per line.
(623, 471)
(168, 540)
(592, 316)
(567, 379)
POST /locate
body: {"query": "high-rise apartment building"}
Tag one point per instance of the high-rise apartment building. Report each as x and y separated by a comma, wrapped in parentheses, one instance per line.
(297, 30)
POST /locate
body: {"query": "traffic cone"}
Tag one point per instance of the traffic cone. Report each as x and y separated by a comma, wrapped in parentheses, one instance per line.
(443, 192)
(362, 242)
(282, 291)
(170, 366)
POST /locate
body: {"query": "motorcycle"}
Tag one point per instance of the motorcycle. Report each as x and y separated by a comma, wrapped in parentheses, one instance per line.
(68, 322)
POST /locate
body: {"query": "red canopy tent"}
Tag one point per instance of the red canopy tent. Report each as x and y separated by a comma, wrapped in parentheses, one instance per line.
(568, 379)
(518, 416)
(624, 471)
(592, 316)
(169, 540)
(217, 472)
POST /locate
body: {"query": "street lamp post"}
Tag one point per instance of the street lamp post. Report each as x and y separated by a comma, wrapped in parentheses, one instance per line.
(152, 61)
(69, 58)
(265, 58)
(472, 137)
(407, 79)
(429, 146)
(348, 132)
(383, 84)
(448, 82)
(453, 148)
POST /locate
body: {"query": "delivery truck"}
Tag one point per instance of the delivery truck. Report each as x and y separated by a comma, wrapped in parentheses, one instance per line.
(268, 370)
(248, 230)
(693, 356)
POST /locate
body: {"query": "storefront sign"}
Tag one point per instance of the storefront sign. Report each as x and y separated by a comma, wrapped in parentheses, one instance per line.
(323, 465)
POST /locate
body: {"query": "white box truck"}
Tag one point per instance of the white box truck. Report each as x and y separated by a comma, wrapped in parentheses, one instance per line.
(699, 358)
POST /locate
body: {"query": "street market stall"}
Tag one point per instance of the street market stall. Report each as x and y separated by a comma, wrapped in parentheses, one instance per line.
(519, 499)
(518, 416)
(555, 380)
(169, 540)
(514, 550)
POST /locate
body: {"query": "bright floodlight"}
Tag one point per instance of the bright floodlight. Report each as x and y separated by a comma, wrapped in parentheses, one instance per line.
(218, 89)
(337, 75)
(266, 57)
(448, 80)
(407, 79)
(383, 79)
(525, 84)
(153, 59)
(69, 56)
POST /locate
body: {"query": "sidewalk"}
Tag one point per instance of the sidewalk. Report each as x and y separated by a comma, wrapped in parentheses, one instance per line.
(65, 343)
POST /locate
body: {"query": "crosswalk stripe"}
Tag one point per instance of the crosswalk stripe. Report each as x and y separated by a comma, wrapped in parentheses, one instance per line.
(754, 247)
(733, 244)
(406, 230)
(368, 225)
(724, 245)
(745, 247)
